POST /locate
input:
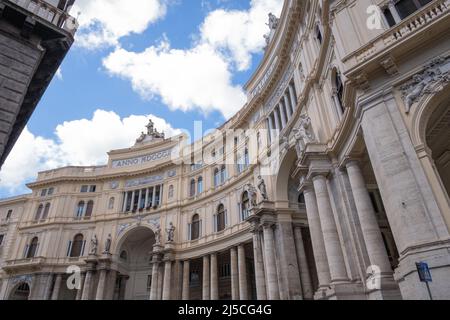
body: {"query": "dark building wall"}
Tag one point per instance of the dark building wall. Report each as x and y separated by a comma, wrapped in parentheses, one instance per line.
(31, 50)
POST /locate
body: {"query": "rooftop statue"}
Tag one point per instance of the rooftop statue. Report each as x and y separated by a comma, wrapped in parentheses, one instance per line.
(152, 133)
(273, 21)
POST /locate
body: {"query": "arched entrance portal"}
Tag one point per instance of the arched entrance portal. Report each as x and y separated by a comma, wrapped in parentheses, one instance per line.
(438, 141)
(21, 292)
(134, 275)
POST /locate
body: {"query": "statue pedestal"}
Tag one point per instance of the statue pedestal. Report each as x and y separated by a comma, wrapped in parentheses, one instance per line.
(170, 246)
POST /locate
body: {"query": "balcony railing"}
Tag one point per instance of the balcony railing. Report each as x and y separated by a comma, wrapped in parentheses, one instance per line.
(417, 21)
(50, 13)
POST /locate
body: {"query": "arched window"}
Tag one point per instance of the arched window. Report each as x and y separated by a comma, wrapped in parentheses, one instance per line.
(245, 206)
(77, 246)
(200, 185)
(46, 211)
(246, 158)
(171, 192)
(80, 209)
(339, 86)
(192, 188)
(220, 218)
(216, 177)
(111, 203)
(37, 217)
(223, 174)
(318, 34)
(195, 227)
(32, 248)
(89, 209)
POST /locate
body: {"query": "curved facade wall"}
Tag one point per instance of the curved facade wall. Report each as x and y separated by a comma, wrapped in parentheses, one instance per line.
(332, 182)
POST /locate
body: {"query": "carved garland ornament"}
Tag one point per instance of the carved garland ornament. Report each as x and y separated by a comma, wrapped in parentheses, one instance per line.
(435, 72)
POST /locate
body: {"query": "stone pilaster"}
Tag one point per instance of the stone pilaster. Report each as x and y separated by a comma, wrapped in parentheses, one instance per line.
(206, 279)
(320, 256)
(156, 260)
(91, 267)
(56, 288)
(234, 274)
(242, 266)
(260, 277)
(307, 287)
(214, 278)
(80, 290)
(376, 250)
(273, 290)
(166, 295)
(186, 273)
(333, 248)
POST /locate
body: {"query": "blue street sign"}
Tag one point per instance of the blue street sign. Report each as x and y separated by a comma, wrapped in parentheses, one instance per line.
(424, 272)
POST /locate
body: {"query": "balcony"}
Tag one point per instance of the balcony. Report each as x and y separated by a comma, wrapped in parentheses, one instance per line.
(49, 12)
(31, 263)
(418, 22)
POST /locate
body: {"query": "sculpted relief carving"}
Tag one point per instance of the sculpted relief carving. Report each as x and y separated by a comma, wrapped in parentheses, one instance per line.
(436, 72)
(304, 134)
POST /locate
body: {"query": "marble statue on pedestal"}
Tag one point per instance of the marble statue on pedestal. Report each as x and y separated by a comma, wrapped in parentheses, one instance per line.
(171, 233)
(94, 245)
(262, 188)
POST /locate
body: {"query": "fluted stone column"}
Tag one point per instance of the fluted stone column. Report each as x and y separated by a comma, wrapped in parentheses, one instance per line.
(160, 280)
(234, 274)
(273, 290)
(283, 116)
(186, 273)
(154, 287)
(80, 290)
(320, 255)
(242, 266)
(87, 285)
(307, 288)
(214, 278)
(167, 280)
(259, 267)
(333, 248)
(55, 293)
(101, 285)
(206, 278)
(369, 224)
(112, 286)
(276, 113)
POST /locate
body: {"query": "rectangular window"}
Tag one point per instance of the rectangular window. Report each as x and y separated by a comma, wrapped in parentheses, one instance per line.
(50, 191)
(43, 192)
(9, 214)
(389, 18)
(92, 189)
(84, 189)
(2, 236)
(406, 8)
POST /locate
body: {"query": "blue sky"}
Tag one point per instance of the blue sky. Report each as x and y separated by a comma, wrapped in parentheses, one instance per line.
(176, 61)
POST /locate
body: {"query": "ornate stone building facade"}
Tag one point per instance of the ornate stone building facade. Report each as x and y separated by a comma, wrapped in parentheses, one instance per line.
(332, 182)
(35, 36)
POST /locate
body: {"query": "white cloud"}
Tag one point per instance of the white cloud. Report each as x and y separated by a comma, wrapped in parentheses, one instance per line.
(185, 79)
(104, 22)
(201, 76)
(240, 32)
(80, 143)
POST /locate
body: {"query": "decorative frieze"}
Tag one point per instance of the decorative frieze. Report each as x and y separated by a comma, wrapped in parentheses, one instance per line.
(436, 72)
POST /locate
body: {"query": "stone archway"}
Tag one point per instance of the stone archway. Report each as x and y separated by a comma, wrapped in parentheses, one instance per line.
(20, 292)
(133, 254)
(437, 136)
(281, 191)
